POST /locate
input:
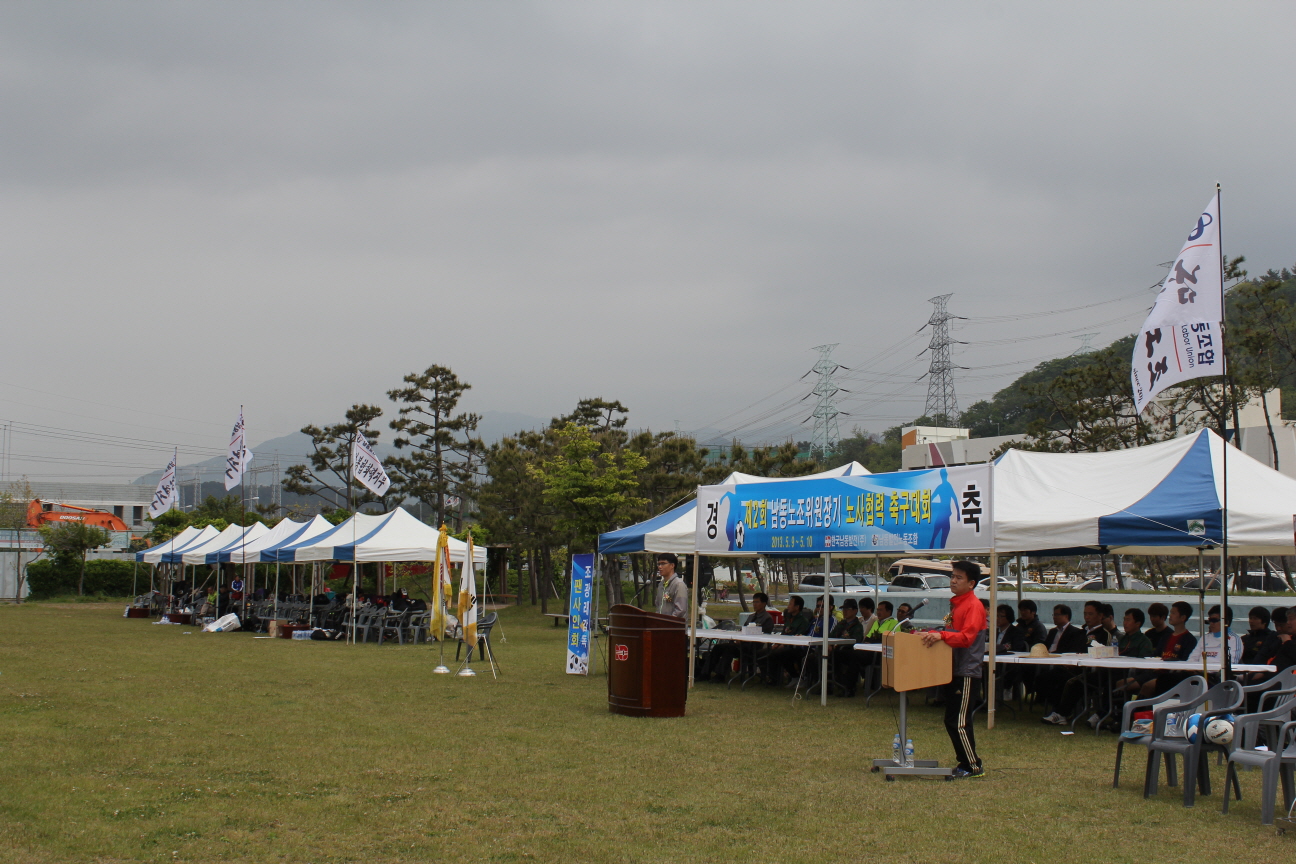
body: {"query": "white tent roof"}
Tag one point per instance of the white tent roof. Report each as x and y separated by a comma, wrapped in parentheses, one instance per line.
(1160, 499)
(250, 553)
(244, 538)
(394, 536)
(675, 530)
(197, 553)
(154, 554)
(172, 555)
(281, 550)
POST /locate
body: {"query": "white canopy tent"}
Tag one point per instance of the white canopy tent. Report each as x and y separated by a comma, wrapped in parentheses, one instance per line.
(394, 536)
(1161, 499)
(154, 554)
(241, 538)
(172, 556)
(197, 553)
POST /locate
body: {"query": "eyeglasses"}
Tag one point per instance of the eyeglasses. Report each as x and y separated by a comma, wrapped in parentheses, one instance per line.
(1213, 620)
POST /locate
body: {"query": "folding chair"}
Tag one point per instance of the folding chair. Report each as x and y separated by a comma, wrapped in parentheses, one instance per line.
(1247, 732)
(1224, 698)
(1186, 691)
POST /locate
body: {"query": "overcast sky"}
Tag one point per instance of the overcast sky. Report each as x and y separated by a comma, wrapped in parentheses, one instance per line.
(291, 205)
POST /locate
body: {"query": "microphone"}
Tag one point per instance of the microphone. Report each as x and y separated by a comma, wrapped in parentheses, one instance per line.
(911, 614)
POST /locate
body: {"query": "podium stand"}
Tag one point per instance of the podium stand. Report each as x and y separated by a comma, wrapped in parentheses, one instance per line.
(647, 663)
(908, 664)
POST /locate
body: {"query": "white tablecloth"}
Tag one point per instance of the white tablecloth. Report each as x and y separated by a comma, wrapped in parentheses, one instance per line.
(1104, 662)
(769, 638)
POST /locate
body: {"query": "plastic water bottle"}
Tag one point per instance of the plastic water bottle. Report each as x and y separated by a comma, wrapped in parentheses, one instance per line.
(895, 749)
(908, 753)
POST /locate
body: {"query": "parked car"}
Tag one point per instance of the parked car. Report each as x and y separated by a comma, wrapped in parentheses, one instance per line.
(1250, 582)
(1006, 584)
(1096, 584)
(841, 584)
(919, 574)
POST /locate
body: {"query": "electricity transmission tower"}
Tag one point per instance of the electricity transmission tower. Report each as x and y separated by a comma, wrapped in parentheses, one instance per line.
(824, 438)
(942, 403)
(1086, 344)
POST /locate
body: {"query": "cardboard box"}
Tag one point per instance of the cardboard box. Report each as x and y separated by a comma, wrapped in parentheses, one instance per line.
(908, 664)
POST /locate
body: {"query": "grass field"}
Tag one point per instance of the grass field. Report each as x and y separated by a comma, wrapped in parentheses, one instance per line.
(127, 741)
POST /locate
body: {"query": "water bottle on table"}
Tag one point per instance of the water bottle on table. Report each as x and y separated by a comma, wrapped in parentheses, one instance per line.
(908, 753)
(896, 753)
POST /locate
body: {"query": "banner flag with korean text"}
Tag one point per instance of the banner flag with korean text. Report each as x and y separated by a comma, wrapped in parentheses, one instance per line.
(165, 496)
(1180, 339)
(440, 585)
(366, 467)
(468, 600)
(943, 510)
(578, 615)
(236, 461)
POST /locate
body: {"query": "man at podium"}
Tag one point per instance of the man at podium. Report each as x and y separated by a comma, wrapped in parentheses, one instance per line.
(965, 633)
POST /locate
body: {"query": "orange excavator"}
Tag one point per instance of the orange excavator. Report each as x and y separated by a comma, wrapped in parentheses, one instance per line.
(40, 513)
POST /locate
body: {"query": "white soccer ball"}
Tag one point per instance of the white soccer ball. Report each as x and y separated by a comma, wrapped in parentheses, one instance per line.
(1220, 731)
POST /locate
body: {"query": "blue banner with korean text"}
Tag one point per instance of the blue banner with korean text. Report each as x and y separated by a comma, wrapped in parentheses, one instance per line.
(936, 510)
(578, 614)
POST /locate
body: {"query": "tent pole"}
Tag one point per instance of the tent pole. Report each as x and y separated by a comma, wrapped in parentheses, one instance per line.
(1201, 606)
(693, 616)
(827, 621)
(994, 636)
(1019, 580)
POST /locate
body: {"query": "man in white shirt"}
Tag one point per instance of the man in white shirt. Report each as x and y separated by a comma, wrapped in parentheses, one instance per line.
(1211, 644)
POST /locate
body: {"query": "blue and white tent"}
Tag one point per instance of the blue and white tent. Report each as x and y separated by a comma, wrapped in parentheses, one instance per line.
(153, 555)
(674, 530)
(302, 535)
(197, 553)
(242, 539)
(394, 536)
(1162, 499)
(169, 553)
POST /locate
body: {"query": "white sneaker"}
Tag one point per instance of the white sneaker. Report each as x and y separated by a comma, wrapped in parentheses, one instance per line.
(1055, 718)
(1093, 721)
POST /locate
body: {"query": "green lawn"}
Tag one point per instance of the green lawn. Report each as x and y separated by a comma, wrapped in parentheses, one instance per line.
(132, 742)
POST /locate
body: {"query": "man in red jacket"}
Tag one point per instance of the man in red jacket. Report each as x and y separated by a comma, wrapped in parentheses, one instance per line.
(965, 632)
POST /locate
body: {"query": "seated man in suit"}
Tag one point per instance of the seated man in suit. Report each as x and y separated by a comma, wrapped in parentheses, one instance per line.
(1064, 638)
(845, 659)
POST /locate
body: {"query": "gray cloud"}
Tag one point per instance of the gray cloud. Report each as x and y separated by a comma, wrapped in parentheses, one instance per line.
(667, 204)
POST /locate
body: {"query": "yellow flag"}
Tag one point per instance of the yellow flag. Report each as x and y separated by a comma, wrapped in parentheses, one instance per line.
(468, 598)
(440, 579)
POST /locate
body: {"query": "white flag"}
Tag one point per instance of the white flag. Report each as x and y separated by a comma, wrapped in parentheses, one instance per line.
(236, 462)
(366, 468)
(1180, 339)
(165, 496)
(468, 599)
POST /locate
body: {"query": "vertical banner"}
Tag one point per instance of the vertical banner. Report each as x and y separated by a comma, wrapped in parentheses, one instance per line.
(578, 615)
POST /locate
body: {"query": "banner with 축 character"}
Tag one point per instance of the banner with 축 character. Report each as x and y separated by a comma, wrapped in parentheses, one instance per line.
(936, 510)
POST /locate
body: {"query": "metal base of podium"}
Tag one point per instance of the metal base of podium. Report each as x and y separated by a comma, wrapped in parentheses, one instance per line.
(892, 769)
(921, 768)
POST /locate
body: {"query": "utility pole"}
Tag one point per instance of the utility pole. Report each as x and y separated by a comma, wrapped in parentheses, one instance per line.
(942, 403)
(824, 438)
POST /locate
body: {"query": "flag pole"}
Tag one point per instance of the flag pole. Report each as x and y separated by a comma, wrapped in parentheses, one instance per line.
(1226, 665)
(355, 570)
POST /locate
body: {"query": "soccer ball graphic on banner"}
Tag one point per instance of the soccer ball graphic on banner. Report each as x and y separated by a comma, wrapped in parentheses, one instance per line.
(1220, 730)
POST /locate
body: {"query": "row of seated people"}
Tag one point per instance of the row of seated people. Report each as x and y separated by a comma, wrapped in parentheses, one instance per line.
(859, 620)
(1168, 637)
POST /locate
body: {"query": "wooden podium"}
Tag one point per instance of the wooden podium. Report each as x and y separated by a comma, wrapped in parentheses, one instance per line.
(647, 663)
(908, 664)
